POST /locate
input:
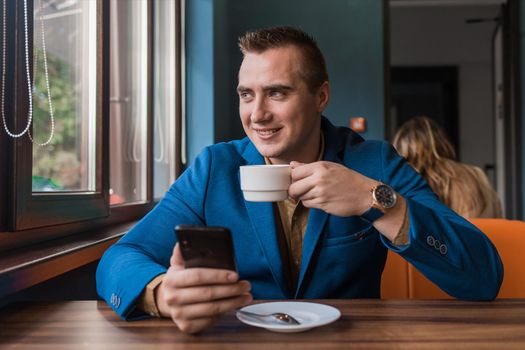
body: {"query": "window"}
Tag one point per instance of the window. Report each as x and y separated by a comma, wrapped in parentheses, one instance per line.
(64, 116)
(104, 82)
(129, 101)
(167, 82)
(40, 197)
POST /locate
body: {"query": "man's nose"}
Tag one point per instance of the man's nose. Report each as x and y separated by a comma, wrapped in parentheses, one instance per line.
(260, 112)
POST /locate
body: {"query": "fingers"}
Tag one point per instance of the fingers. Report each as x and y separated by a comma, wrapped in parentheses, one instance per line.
(312, 203)
(300, 189)
(194, 326)
(201, 277)
(176, 259)
(194, 318)
(294, 164)
(210, 309)
(301, 170)
(300, 185)
(195, 297)
(207, 293)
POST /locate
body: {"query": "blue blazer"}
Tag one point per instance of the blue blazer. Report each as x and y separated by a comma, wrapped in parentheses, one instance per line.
(343, 257)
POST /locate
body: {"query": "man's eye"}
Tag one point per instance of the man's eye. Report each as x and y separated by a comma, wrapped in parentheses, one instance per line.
(277, 94)
(244, 95)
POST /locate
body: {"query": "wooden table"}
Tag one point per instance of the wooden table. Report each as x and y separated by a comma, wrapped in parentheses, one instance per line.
(364, 324)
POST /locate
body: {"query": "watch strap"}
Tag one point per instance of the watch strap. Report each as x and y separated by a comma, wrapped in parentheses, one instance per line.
(372, 214)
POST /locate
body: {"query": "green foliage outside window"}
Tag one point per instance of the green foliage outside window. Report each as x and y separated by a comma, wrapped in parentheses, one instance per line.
(58, 162)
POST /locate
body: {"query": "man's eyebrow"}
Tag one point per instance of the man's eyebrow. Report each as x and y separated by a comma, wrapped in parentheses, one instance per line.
(241, 88)
(273, 87)
(278, 87)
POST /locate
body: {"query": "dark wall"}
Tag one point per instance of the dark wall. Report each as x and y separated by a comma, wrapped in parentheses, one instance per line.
(349, 32)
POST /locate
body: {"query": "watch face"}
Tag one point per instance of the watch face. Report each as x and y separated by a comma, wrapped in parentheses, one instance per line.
(385, 196)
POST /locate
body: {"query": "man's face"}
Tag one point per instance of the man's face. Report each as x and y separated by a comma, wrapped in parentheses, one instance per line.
(278, 112)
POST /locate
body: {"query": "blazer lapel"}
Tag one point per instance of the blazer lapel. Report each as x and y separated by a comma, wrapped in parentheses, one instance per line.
(263, 224)
(317, 218)
(316, 222)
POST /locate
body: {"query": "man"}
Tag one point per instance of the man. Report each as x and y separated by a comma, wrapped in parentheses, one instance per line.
(350, 201)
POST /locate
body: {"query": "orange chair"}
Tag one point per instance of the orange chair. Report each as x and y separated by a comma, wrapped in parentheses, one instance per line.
(400, 280)
(508, 236)
(394, 281)
(419, 287)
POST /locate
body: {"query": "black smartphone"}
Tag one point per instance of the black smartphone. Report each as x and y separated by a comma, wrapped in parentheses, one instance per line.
(204, 246)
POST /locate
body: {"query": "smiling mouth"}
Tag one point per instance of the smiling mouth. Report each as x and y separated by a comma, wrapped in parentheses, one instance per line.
(266, 132)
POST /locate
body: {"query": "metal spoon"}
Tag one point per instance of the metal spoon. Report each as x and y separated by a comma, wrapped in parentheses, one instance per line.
(278, 317)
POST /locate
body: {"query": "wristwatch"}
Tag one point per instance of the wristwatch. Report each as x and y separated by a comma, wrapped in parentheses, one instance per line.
(383, 198)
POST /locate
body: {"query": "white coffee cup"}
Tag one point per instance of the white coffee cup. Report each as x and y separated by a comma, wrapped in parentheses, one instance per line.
(265, 183)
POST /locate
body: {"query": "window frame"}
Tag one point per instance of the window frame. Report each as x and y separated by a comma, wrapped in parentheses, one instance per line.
(28, 218)
(44, 209)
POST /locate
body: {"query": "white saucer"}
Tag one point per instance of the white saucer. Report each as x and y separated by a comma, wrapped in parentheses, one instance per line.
(310, 315)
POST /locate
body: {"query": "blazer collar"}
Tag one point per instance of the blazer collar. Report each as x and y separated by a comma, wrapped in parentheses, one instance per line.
(250, 153)
(333, 142)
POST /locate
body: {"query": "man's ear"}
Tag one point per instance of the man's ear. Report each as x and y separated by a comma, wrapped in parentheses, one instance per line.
(323, 96)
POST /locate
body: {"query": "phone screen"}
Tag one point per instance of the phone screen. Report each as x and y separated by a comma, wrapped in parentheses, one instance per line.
(203, 246)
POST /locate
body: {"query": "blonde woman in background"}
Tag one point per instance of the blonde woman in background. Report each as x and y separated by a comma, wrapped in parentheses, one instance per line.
(464, 188)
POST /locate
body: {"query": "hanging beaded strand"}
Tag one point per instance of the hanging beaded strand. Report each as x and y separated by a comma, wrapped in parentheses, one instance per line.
(46, 74)
(4, 46)
(29, 83)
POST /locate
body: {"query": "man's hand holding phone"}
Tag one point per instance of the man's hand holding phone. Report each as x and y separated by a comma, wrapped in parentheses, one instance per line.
(195, 297)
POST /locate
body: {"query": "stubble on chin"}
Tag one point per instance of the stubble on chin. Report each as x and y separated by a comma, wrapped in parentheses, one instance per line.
(268, 152)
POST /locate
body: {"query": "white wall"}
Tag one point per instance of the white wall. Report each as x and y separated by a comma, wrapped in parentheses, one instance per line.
(433, 36)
